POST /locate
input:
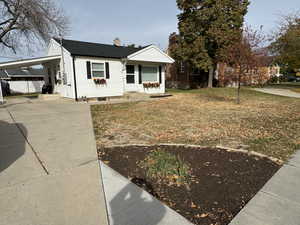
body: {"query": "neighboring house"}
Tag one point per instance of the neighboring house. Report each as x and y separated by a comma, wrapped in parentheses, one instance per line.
(23, 81)
(226, 75)
(181, 75)
(92, 70)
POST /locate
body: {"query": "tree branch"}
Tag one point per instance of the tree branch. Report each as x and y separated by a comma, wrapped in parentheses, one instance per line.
(9, 9)
(6, 21)
(8, 46)
(8, 28)
(29, 20)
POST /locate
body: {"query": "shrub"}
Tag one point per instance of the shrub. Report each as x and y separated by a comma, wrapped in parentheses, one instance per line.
(273, 80)
(163, 165)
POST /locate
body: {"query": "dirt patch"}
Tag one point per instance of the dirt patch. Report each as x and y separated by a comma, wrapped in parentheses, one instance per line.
(220, 185)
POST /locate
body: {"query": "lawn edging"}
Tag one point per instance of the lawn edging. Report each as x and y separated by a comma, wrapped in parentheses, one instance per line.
(228, 149)
(252, 153)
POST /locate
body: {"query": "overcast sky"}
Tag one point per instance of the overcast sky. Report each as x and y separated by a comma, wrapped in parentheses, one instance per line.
(149, 22)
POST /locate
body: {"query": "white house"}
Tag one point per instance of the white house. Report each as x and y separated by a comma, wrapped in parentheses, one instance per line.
(77, 69)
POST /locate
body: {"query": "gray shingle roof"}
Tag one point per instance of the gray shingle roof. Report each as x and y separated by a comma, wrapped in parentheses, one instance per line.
(80, 48)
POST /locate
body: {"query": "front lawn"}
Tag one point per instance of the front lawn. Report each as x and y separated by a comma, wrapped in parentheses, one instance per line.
(264, 123)
(296, 90)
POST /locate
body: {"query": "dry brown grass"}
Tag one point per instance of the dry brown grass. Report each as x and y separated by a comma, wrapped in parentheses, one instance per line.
(296, 90)
(209, 117)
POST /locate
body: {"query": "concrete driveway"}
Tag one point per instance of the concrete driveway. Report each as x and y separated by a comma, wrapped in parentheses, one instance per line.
(49, 172)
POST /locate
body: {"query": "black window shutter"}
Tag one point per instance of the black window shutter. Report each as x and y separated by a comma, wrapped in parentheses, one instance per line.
(88, 69)
(160, 74)
(140, 74)
(107, 70)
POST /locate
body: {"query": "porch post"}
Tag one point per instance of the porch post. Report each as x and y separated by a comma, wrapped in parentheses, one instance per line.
(124, 62)
(1, 95)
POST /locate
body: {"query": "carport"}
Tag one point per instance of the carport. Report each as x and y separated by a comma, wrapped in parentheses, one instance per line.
(51, 65)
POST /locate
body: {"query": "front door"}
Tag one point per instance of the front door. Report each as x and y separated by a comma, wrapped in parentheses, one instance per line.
(131, 78)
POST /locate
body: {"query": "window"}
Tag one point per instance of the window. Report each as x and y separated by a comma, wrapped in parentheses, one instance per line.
(130, 75)
(98, 70)
(149, 74)
(181, 67)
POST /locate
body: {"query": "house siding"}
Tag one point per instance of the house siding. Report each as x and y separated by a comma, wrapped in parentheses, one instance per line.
(140, 87)
(87, 88)
(151, 54)
(67, 90)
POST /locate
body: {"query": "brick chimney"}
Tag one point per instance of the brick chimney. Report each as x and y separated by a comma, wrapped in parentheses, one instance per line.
(117, 42)
(173, 38)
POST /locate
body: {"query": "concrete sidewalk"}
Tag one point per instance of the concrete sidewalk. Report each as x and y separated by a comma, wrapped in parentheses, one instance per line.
(49, 172)
(278, 203)
(130, 205)
(280, 92)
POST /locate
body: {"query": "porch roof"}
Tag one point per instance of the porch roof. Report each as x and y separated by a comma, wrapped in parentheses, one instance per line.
(28, 62)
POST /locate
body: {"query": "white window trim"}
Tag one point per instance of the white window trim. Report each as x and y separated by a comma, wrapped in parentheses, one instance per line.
(131, 74)
(182, 67)
(104, 70)
(157, 74)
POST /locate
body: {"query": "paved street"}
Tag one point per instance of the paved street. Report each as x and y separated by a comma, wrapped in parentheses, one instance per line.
(49, 172)
(280, 92)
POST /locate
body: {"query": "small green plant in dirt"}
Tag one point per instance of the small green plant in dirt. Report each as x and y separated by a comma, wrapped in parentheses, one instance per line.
(165, 166)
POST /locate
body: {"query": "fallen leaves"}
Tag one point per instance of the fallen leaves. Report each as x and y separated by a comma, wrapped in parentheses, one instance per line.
(193, 205)
(203, 215)
(265, 123)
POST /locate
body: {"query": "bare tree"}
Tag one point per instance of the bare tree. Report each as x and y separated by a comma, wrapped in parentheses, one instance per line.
(246, 56)
(27, 21)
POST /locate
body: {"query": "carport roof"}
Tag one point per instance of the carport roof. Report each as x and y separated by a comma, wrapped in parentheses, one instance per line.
(28, 62)
(28, 72)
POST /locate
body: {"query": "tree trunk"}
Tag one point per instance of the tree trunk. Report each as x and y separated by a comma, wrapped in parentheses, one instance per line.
(187, 77)
(238, 101)
(210, 77)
